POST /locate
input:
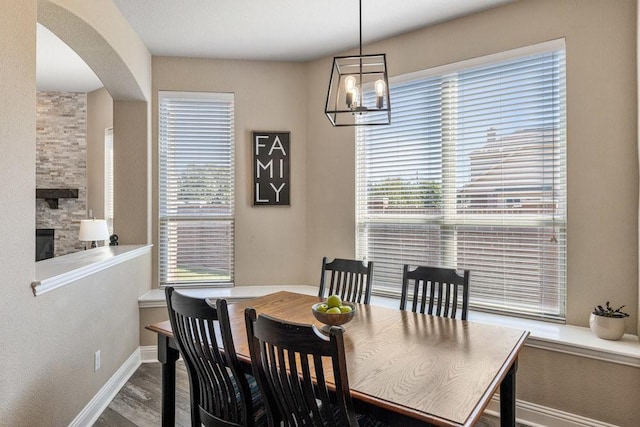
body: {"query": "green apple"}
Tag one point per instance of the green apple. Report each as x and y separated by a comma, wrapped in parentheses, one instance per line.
(334, 301)
(322, 308)
(345, 309)
(333, 310)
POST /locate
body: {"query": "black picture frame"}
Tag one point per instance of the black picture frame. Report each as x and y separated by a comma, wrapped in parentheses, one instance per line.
(271, 168)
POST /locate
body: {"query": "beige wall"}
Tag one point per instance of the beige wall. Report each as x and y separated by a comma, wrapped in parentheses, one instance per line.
(601, 136)
(47, 349)
(48, 342)
(638, 127)
(269, 96)
(131, 178)
(99, 118)
(577, 385)
(55, 349)
(602, 175)
(21, 349)
(147, 317)
(602, 172)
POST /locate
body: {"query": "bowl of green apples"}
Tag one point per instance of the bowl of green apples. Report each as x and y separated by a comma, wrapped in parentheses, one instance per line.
(334, 311)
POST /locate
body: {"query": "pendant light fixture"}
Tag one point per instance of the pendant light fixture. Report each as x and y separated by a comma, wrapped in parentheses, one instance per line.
(359, 89)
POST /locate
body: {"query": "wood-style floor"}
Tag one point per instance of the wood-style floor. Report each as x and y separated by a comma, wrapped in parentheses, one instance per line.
(138, 402)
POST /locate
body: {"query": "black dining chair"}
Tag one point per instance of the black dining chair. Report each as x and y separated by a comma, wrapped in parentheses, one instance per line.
(287, 361)
(436, 291)
(221, 393)
(350, 279)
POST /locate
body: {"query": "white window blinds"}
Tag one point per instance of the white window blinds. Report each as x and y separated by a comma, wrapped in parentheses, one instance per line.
(196, 138)
(471, 174)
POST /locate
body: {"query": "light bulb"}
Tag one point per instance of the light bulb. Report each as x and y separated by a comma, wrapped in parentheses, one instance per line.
(380, 89)
(354, 96)
(350, 85)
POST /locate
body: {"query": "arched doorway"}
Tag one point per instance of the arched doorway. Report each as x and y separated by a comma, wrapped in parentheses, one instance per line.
(103, 39)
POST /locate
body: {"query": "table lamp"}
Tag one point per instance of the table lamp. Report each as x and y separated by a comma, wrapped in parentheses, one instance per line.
(92, 230)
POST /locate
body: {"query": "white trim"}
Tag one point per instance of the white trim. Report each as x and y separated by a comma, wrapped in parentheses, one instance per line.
(101, 400)
(56, 272)
(148, 353)
(605, 355)
(548, 46)
(534, 415)
(569, 339)
(188, 96)
(156, 298)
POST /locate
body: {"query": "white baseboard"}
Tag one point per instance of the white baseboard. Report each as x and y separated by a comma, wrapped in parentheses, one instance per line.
(100, 401)
(148, 353)
(534, 415)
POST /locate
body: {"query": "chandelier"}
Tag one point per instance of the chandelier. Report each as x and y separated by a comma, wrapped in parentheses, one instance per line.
(359, 89)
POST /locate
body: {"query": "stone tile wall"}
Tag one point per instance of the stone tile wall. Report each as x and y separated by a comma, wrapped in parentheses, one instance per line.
(61, 162)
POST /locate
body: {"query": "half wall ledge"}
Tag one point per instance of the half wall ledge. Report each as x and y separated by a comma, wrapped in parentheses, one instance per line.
(59, 271)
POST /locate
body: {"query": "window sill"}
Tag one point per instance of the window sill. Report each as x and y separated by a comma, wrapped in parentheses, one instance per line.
(155, 297)
(568, 339)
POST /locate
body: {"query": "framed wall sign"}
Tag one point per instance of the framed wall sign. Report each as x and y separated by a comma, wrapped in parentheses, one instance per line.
(271, 168)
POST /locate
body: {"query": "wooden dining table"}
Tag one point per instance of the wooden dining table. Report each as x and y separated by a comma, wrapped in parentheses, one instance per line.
(405, 368)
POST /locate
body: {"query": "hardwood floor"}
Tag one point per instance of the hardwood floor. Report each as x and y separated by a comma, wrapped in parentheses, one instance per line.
(137, 404)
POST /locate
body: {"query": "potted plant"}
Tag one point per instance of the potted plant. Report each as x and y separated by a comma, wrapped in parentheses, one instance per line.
(607, 322)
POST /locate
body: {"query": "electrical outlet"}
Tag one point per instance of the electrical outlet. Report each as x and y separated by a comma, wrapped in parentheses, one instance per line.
(96, 361)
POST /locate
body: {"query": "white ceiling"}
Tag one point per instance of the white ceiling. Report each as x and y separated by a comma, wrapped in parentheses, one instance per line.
(281, 30)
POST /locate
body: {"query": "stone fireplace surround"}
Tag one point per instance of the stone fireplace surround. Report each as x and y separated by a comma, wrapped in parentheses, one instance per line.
(61, 163)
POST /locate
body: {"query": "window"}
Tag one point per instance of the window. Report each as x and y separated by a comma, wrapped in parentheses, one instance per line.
(471, 174)
(108, 178)
(196, 212)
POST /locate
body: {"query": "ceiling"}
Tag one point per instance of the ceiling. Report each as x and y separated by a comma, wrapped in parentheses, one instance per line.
(280, 30)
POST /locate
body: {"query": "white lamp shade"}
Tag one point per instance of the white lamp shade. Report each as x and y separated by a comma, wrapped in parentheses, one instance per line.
(93, 229)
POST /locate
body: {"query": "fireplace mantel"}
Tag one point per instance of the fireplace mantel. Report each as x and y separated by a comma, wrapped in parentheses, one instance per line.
(51, 195)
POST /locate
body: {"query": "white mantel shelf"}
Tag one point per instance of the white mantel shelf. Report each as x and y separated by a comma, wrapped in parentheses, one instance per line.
(59, 271)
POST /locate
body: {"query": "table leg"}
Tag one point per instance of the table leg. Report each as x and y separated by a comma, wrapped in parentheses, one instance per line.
(167, 355)
(508, 397)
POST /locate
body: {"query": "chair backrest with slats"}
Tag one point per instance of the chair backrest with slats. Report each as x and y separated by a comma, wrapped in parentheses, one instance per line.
(220, 393)
(436, 291)
(350, 279)
(287, 361)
